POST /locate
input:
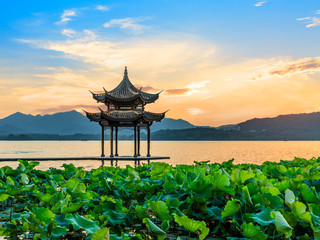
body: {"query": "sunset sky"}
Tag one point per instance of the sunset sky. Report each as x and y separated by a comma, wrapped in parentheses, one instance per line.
(218, 62)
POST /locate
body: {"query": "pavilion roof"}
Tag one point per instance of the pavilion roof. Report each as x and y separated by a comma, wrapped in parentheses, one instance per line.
(125, 92)
(126, 116)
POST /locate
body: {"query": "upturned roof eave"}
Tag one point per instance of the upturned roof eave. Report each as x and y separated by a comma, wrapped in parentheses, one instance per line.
(106, 95)
(95, 117)
(128, 99)
(143, 115)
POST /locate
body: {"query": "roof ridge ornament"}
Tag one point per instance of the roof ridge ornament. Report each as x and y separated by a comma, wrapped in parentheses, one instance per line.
(125, 75)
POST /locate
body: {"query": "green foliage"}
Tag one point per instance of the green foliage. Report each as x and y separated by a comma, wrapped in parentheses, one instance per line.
(159, 201)
(281, 224)
(231, 208)
(43, 214)
(160, 209)
(252, 232)
(24, 179)
(263, 218)
(80, 222)
(4, 197)
(101, 234)
(159, 170)
(192, 226)
(155, 229)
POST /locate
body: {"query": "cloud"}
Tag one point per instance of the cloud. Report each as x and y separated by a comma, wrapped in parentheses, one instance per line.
(304, 65)
(68, 32)
(102, 8)
(174, 91)
(198, 88)
(196, 111)
(177, 91)
(259, 4)
(311, 21)
(65, 17)
(152, 56)
(180, 91)
(158, 63)
(192, 88)
(147, 88)
(130, 24)
(197, 85)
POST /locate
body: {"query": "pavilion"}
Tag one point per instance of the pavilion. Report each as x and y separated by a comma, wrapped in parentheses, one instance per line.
(125, 108)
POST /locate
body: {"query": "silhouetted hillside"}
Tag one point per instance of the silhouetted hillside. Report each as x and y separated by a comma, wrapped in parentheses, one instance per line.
(74, 126)
(305, 126)
(68, 123)
(169, 123)
(201, 134)
(58, 123)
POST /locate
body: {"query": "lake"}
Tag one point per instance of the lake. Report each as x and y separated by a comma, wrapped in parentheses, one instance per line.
(181, 152)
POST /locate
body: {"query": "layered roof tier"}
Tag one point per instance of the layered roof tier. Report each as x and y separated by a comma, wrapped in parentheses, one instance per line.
(125, 116)
(125, 92)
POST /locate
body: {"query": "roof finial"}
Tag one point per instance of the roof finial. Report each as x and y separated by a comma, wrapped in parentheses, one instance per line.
(125, 72)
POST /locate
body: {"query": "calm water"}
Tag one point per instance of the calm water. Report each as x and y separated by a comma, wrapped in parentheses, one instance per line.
(181, 152)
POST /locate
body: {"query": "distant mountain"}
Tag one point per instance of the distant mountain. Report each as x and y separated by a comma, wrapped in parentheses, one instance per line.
(74, 126)
(169, 123)
(229, 127)
(304, 126)
(58, 123)
(202, 134)
(68, 123)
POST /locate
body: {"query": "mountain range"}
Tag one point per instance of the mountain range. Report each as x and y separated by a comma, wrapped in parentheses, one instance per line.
(303, 126)
(75, 126)
(68, 123)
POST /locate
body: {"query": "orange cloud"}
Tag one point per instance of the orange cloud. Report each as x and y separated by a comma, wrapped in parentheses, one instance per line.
(177, 91)
(304, 65)
(147, 88)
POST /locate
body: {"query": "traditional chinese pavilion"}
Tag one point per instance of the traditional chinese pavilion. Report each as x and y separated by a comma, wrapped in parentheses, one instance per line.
(125, 108)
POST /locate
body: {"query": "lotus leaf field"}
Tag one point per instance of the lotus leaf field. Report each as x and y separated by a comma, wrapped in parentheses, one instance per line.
(159, 201)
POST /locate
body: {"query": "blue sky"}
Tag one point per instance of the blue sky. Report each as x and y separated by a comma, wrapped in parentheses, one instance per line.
(208, 56)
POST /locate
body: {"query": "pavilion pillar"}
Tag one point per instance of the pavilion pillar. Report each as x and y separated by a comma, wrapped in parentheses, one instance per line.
(111, 142)
(138, 153)
(102, 141)
(116, 142)
(135, 141)
(148, 142)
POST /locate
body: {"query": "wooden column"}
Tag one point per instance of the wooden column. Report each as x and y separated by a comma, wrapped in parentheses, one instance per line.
(116, 142)
(111, 142)
(135, 141)
(148, 140)
(102, 141)
(138, 141)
